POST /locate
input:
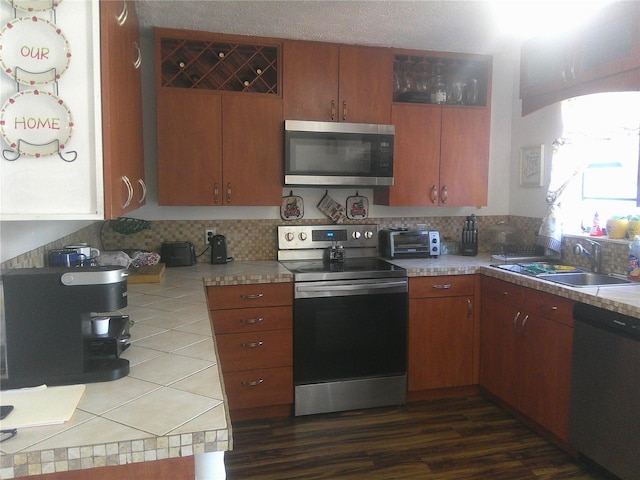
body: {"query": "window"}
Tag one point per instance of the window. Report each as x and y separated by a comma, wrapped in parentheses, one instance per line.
(601, 132)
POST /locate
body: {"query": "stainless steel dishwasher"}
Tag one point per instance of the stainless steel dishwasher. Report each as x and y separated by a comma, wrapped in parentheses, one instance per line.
(604, 417)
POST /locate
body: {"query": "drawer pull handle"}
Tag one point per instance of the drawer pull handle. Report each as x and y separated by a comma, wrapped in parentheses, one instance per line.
(445, 286)
(251, 321)
(252, 344)
(554, 307)
(254, 383)
(252, 297)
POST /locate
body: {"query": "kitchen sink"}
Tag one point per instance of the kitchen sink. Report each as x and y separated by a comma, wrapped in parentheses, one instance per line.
(584, 279)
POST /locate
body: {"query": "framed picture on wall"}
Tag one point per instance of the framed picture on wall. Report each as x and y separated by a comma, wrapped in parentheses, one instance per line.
(531, 166)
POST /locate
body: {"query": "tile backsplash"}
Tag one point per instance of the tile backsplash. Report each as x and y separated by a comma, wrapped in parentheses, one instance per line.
(253, 240)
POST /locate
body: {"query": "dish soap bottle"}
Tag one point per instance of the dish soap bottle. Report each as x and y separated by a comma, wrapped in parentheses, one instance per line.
(633, 273)
(596, 231)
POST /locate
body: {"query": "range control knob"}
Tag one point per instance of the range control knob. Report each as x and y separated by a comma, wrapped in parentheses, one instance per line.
(302, 236)
(289, 236)
(356, 235)
(368, 234)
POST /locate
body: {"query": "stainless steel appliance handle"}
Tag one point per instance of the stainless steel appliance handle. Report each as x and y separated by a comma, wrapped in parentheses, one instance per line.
(311, 290)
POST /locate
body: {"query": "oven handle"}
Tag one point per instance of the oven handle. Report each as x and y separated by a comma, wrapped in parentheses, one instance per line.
(357, 288)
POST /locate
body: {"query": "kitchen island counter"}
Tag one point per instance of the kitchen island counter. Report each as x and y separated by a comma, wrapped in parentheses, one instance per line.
(172, 403)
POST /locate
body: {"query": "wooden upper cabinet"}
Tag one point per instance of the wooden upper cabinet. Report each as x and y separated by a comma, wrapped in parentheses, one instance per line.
(441, 156)
(602, 56)
(219, 119)
(189, 126)
(416, 156)
(464, 157)
(124, 187)
(337, 83)
(252, 150)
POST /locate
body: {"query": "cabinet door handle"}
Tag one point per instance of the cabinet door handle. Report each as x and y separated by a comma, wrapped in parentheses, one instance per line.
(524, 322)
(444, 286)
(144, 190)
(252, 344)
(138, 61)
(445, 194)
(216, 192)
(469, 308)
(121, 18)
(554, 308)
(434, 194)
(515, 322)
(333, 109)
(252, 296)
(251, 321)
(229, 192)
(253, 383)
(344, 110)
(127, 182)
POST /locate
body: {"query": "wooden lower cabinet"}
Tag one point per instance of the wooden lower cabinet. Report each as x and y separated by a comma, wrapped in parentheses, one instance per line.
(441, 338)
(526, 346)
(178, 468)
(253, 330)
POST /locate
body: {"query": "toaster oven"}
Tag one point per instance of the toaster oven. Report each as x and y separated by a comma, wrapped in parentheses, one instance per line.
(409, 243)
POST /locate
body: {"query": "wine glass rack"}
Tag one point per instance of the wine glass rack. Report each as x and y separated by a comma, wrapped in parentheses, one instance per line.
(414, 75)
(201, 64)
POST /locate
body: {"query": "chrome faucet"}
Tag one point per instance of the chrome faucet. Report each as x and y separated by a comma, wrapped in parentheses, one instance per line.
(595, 256)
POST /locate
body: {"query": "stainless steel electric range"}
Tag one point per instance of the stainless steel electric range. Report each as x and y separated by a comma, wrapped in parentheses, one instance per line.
(350, 318)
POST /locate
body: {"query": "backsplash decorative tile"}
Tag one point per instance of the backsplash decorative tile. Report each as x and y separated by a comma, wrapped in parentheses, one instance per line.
(255, 240)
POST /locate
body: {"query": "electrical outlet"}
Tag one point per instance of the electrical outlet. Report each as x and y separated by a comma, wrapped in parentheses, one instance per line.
(208, 233)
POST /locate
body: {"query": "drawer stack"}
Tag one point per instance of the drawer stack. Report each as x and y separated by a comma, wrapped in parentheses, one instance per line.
(253, 331)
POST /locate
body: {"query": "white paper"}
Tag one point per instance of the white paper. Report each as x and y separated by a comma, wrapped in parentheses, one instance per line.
(41, 405)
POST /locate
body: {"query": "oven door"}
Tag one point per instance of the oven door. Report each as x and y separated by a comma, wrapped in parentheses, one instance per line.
(349, 330)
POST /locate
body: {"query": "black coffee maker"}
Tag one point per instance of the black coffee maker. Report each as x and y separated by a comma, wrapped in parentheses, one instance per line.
(48, 336)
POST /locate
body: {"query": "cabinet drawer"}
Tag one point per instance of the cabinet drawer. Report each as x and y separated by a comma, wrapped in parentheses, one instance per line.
(246, 296)
(251, 319)
(549, 306)
(505, 292)
(249, 351)
(441, 286)
(259, 388)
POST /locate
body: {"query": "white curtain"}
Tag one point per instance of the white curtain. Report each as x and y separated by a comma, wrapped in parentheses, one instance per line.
(569, 159)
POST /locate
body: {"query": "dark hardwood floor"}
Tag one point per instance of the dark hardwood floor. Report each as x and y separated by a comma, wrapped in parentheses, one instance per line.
(462, 438)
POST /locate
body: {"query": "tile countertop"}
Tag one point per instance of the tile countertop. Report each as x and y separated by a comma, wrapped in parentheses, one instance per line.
(624, 299)
(173, 402)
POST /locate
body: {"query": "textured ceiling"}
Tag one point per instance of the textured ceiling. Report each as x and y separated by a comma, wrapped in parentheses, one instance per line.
(462, 26)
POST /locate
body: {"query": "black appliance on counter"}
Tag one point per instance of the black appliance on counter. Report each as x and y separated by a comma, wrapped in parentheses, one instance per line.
(218, 249)
(349, 321)
(178, 254)
(47, 332)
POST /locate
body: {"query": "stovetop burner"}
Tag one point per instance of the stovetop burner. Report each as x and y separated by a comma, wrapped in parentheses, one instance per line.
(351, 268)
(302, 250)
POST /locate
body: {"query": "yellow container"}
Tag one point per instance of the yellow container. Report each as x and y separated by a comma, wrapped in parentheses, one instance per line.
(617, 228)
(634, 228)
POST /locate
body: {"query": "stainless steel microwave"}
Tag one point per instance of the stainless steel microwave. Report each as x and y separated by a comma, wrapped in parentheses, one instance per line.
(333, 153)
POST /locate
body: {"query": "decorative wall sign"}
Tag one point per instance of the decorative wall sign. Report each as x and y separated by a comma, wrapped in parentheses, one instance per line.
(34, 51)
(531, 166)
(36, 123)
(34, 5)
